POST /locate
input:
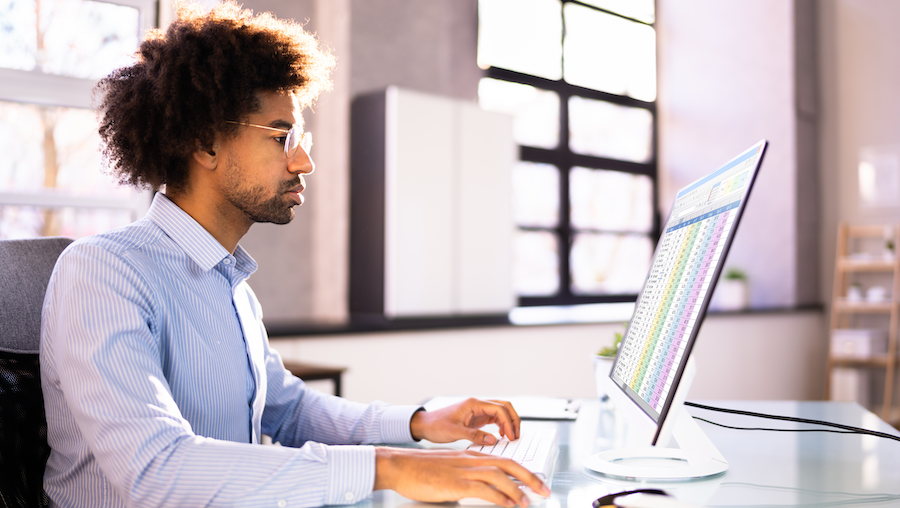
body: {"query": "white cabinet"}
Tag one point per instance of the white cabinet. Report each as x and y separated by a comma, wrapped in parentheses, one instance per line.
(431, 207)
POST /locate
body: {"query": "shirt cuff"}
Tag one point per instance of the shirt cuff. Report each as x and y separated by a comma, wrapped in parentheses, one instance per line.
(351, 474)
(395, 422)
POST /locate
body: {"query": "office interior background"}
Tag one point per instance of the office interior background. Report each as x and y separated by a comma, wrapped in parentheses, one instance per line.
(815, 78)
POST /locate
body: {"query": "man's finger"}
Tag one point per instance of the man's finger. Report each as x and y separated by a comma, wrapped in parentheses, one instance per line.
(481, 437)
(484, 491)
(499, 414)
(510, 426)
(499, 480)
(525, 476)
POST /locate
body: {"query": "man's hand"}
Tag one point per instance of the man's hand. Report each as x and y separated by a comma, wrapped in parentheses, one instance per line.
(463, 421)
(450, 475)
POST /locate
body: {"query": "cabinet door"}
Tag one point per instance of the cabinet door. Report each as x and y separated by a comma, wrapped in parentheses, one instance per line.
(448, 207)
(486, 154)
(419, 205)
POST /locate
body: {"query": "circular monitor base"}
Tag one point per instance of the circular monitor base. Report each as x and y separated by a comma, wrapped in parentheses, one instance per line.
(652, 463)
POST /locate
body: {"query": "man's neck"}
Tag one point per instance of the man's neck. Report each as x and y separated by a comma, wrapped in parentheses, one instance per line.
(225, 223)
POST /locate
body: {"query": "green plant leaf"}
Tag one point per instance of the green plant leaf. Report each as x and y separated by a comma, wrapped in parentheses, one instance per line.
(735, 274)
(612, 350)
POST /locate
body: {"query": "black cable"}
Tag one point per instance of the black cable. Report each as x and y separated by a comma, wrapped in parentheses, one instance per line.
(774, 430)
(846, 429)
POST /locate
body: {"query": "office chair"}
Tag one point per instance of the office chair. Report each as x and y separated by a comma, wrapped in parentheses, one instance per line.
(25, 267)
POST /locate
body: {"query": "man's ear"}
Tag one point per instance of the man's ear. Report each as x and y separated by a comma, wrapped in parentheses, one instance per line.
(207, 156)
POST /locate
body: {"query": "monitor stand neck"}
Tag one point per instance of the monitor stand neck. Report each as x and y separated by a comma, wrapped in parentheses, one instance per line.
(696, 456)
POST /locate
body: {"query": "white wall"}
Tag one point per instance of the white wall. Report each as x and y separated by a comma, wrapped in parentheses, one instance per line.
(759, 356)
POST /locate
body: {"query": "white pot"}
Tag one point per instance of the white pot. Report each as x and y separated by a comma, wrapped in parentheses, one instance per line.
(731, 294)
(602, 368)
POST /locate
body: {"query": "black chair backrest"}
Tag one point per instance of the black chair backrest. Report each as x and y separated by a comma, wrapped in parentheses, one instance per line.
(25, 268)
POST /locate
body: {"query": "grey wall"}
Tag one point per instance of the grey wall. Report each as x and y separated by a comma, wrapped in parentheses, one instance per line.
(429, 46)
(285, 282)
(807, 101)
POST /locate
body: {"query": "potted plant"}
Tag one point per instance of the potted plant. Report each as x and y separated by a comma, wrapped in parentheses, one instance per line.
(732, 291)
(888, 253)
(603, 362)
(855, 292)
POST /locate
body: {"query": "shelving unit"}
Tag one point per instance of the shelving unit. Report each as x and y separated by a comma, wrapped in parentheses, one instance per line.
(849, 265)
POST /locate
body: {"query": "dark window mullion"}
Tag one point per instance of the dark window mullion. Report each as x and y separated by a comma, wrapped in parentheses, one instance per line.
(565, 234)
(654, 147)
(592, 162)
(528, 301)
(535, 229)
(648, 234)
(532, 154)
(557, 158)
(561, 86)
(565, 205)
(621, 100)
(605, 11)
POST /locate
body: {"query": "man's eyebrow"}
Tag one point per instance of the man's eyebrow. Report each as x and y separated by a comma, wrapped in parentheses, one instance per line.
(281, 124)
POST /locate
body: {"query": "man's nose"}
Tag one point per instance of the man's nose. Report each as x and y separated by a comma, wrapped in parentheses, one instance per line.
(301, 163)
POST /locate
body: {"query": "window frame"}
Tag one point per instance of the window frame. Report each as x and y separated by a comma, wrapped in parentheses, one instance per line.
(564, 159)
(42, 89)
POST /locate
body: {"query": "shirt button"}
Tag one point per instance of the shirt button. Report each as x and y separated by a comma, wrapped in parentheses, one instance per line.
(282, 503)
(348, 496)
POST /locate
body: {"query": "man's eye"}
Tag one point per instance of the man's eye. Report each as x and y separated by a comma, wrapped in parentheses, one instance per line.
(280, 139)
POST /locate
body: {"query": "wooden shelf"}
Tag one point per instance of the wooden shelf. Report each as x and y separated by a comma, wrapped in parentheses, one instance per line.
(843, 305)
(870, 231)
(860, 361)
(866, 265)
(893, 419)
(848, 264)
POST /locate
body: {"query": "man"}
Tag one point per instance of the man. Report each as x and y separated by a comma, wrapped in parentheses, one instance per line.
(157, 374)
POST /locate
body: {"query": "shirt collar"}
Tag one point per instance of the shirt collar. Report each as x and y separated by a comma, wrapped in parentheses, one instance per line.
(193, 238)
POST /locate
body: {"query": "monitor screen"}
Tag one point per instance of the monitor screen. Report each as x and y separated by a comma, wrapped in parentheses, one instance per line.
(687, 262)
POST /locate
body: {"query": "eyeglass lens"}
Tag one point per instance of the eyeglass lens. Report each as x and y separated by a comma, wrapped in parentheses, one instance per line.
(297, 139)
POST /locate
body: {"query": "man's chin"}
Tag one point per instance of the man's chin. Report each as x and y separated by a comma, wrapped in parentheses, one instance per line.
(280, 218)
(286, 219)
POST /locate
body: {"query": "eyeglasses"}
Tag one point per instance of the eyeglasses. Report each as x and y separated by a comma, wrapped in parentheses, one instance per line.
(293, 140)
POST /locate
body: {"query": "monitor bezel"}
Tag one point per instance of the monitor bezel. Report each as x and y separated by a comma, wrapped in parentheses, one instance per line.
(660, 421)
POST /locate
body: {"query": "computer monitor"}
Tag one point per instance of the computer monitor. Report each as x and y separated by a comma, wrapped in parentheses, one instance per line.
(652, 372)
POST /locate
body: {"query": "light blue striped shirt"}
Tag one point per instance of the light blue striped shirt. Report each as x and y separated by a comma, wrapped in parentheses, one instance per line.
(158, 381)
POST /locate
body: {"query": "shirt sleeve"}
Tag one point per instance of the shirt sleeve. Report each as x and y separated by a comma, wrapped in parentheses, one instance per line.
(296, 414)
(112, 407)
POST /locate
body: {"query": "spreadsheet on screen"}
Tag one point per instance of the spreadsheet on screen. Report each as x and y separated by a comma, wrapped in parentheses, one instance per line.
(680, 277)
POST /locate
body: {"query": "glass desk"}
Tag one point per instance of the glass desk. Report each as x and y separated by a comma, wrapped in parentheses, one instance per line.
(819, 469)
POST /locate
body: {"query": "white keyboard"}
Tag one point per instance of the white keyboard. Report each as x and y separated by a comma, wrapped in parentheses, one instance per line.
(535, 449)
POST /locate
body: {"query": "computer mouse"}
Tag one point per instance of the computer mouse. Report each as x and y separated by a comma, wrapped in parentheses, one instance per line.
(641, 500)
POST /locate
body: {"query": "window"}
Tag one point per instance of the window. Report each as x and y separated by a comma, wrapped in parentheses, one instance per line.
(52, 53)
(579, 79)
